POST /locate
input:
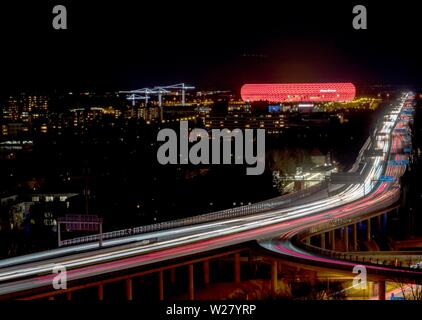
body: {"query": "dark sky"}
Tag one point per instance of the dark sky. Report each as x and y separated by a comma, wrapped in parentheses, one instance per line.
(111, 45)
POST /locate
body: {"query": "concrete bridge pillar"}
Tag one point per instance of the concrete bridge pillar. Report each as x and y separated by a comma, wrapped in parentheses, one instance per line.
(368, 230)
(100, 292)
(329, 238)
(206, 265)
(274, 279)
(381, 290)
(370, 288)
(172, 276)
(313, 277)
(322, 238)
(237, 267)
(355, 237)
(346, 238)
(161, 284)
(333, 240)
(191, 283)
(279, 267)
(129, 291)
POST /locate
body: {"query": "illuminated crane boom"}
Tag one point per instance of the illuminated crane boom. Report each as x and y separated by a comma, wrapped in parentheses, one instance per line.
(133, 96)
(179, 86)
(145, 93)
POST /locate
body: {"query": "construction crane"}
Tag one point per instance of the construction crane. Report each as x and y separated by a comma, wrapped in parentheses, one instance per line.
(136, 94)
(160, 92)
(180, 86)
(145, 93)
(132, 96)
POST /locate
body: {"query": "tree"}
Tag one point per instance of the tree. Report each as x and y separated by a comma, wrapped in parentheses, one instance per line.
(317, 291)
(410, 291)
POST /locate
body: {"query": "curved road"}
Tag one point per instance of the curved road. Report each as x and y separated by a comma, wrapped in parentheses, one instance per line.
(34, 271)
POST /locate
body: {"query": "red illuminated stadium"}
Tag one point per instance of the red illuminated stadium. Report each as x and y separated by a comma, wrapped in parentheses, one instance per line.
(298, 92)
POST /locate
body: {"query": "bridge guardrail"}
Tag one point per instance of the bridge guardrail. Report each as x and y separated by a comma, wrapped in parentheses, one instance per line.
(209, 217)
(358, 259)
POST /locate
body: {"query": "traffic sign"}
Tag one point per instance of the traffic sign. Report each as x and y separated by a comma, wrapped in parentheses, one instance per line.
(387, 179)
(79, 222)
(398, 162)
(407, 111)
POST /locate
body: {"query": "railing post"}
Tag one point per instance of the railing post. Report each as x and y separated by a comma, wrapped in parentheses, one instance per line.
(59, 240)
(101, 235)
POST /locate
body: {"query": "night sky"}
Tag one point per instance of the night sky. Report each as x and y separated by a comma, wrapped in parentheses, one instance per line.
(112, 45)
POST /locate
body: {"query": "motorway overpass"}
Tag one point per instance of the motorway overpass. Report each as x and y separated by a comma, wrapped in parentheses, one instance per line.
(277, 224)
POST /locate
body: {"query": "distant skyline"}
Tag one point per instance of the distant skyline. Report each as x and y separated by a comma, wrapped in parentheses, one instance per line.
(123, 45)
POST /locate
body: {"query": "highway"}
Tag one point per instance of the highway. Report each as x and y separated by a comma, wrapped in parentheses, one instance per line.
(282, 224)
(383, 195)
